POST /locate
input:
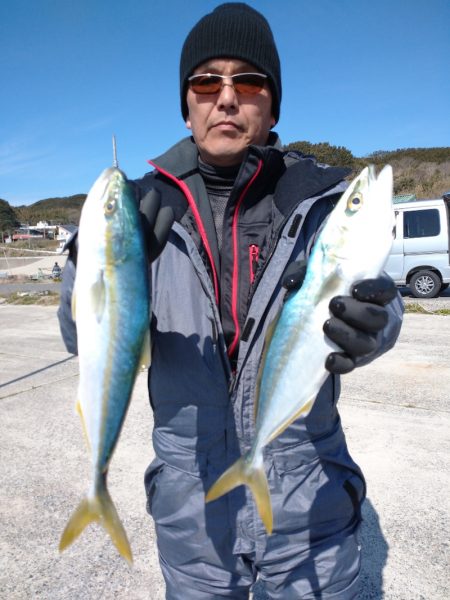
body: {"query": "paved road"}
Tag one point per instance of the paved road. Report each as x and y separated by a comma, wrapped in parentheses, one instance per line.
(12, 262)
(30, 265)
(396, 416)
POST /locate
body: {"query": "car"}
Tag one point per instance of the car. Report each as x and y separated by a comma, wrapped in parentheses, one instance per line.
(419, 256)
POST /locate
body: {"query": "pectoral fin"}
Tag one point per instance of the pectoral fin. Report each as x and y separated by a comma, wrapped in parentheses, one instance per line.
(330, 286)
(146, 356)
(74, 304)
(98, 296)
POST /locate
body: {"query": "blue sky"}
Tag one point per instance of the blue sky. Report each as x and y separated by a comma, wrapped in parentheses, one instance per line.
(364, 74)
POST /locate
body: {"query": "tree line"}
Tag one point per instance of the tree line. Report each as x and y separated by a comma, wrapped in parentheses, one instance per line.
(424, 172)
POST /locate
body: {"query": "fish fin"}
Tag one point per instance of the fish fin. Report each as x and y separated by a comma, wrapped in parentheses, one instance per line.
(304, 409)
(255, 478)
(269, 334)
(99, 509)
(146, 356)
(330, 285)
(74, 304)
(98, 296)
(79, 410)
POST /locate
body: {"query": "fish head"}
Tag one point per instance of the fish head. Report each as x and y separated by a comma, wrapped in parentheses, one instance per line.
(109, 219)
(362, 224)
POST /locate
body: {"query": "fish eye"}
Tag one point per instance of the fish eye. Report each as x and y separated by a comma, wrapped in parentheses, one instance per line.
(355, 202)
(110, 206)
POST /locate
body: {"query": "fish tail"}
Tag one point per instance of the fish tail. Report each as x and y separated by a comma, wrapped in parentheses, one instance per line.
(98, 509)
(244, 472)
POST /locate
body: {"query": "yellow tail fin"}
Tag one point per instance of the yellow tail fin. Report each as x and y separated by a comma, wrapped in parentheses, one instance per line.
(243, 472)
(101, 510)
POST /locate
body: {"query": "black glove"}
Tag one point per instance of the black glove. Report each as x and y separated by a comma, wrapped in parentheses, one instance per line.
(294, 275)
(356, 321)
(156, 222)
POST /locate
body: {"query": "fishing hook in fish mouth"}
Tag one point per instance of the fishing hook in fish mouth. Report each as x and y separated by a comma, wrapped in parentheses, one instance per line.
(115, 161)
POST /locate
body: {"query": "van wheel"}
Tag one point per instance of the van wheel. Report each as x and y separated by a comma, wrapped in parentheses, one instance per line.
(425, 284)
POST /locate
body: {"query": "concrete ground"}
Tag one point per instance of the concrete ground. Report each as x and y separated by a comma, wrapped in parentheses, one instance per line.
(31, 265)
(396, 415)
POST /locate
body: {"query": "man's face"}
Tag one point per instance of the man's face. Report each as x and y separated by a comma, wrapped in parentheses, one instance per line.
(225, 123)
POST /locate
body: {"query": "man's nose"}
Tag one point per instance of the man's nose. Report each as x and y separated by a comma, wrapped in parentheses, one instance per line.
(227, 94)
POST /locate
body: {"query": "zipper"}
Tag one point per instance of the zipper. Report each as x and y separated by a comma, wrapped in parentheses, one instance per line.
(261, 271)
(191, 201)
(272, 249)
(235, 279)
(253, 257)
(214, 334)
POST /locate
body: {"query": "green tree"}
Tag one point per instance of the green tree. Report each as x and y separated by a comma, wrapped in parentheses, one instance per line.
(8, 219)
(325, 153)
(435, 155)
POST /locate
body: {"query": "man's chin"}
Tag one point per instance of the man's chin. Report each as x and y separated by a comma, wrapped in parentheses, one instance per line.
(225, 155)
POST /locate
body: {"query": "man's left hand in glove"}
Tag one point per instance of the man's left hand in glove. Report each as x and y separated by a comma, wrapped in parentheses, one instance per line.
(357, 321)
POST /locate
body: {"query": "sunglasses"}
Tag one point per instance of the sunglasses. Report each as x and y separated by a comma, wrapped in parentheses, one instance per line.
(243, 83)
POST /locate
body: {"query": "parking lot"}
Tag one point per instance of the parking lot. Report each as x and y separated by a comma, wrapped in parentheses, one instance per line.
(396, 415)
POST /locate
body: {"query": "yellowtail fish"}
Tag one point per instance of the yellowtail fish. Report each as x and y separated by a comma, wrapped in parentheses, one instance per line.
(111, 309)
(354, 244)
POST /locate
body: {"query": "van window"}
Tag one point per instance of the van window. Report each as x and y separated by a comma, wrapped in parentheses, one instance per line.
(421, 223)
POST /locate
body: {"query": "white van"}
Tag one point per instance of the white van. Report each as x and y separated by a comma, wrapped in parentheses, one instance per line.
(419, 256)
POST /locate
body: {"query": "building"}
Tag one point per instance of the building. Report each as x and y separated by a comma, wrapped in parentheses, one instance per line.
(64, 233)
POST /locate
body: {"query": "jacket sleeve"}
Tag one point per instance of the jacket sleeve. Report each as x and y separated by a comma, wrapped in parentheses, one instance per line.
(66, 322)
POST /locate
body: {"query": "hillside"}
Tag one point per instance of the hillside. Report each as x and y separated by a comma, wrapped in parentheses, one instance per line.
(53, 210)
(424, 172)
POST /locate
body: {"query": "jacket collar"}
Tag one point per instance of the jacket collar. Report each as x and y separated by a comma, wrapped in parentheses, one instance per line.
(181, 160)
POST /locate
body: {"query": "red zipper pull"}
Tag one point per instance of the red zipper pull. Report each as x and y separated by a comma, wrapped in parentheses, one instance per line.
(253, 252)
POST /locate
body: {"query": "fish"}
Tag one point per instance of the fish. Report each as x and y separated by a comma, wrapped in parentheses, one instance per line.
(354, 244)
(111, 309)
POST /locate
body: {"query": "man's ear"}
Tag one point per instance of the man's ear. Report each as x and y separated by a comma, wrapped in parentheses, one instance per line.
(188, 122)
(272, 122)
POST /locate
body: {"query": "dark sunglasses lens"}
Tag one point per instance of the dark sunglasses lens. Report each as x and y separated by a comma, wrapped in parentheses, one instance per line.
(203, 84)
(248, 83)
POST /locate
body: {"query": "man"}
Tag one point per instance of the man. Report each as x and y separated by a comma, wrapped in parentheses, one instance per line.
(56, 271)
(245, 217)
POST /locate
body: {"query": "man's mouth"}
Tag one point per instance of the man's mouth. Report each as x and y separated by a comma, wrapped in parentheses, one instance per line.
(227, 126)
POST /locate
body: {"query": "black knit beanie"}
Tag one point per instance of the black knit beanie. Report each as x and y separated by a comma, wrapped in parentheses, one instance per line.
(232, 30)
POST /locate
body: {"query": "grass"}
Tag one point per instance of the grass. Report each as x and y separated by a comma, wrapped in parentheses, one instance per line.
(414, 307)
(45, 298)
(24, 247)
(445, 312)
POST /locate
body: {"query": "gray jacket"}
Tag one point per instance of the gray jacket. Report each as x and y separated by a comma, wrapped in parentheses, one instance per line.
(201, 395)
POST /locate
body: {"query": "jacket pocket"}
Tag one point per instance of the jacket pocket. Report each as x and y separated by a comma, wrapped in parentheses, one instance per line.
(253, 258)
(151, 481)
